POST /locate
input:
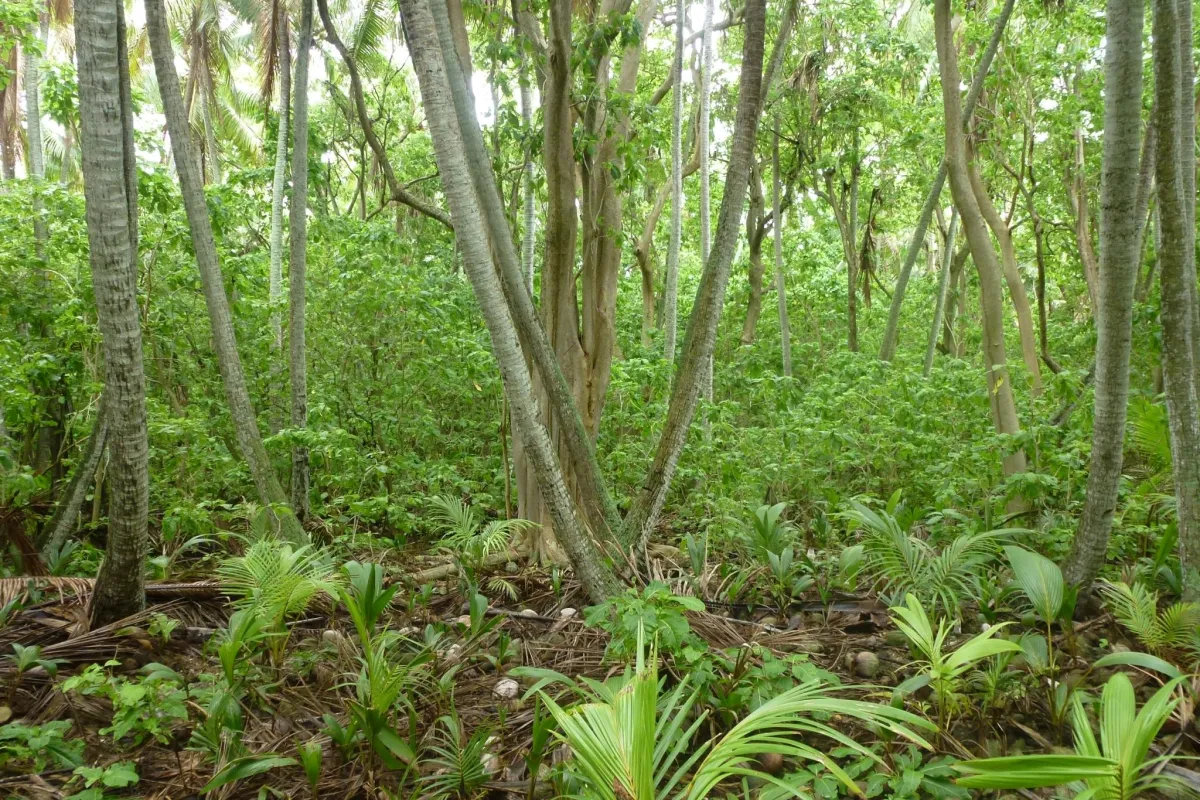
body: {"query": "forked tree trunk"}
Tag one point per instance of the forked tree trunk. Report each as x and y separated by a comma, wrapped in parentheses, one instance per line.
(430, 43)
(1178, 289)
(939, 305)
(110, 194)
(710, 297)
(671, 279)
(785, 329)
(278, 187)
(1016, 286)
(1120, 240)
(298, 266)
(1004, 409)
(249, 438)
(887, 350)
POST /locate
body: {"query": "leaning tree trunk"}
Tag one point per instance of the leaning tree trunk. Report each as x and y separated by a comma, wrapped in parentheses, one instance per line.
(1120, 240)
(785, 330)
(1004, 408)
(529, 230)
(432, 50)
(298, 264)
(278, 187)
(939, 305)
(887, 350)
(1178, 279)
(249, 438)
(110, 194)
(710, 296)
(62, 524)
(671, 279)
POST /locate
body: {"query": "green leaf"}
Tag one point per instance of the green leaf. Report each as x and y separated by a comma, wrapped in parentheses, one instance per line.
(245, 767)
(1135, 659)
(1040, 579)
(1033, 772)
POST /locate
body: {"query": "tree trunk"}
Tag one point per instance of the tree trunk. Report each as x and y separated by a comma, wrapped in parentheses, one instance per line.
(887, 349)
(1078, 200)
(110, 194)
(278, 187)
(705, 103)
(529, 229)
(249, 438)
(62, 524)
(1016, 286)
(939, 305)
(1178, 290)
(298, 264)
(430, 43)
(211, 160)
(1120, 239)
(755, 230)
(1004, 409)
(850, 235)
(33, 115)
(671, 280)
(785, 330)
(710, 297)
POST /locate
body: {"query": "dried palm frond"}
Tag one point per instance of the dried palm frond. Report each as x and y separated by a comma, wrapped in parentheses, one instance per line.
(20, 588)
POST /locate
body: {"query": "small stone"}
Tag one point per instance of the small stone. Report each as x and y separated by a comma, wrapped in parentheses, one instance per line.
(506, 689)
(771, 763)
(812, 648)
(5, 714)
(527, 612)
(768, 622)
(333, 637)
(512, 568)
(465, 619)
(866, 664)
(567, 613)
(795, 622)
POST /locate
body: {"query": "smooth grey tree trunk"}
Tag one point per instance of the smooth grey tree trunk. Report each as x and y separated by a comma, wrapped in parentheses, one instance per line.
(430, 43)
(278, 188)
(785, 329)
(671, 279)
(887, 350)
(1120, 246)
(1004, 409)
(529, 230)
(710, 296)
(249, 438)
(62, 524)
(702, 142)
(298, 266)
(33, 114)
(110, 195)
(939, 306)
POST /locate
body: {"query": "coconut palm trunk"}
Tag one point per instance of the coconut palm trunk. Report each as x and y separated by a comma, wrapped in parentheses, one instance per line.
(785, 330)
(33, 117)
(237, 395)
(1120, 246)
(298, 251)
(110, 195)
(278, 187)
(671, 278)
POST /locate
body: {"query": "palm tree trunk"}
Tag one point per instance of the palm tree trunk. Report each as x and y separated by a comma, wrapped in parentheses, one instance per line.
(65, 514)
(110, 194)
(278, 187)
(785, 330)
(1178, 289)
(1004, 409)
(298, 243)
(706, 56)
(939, 306)
(210, 140)
(671, 279)
(529, 229)
(754, 236)
(249, 438)
(710, 296)
(430, 43)
(33, 115)
(887, 350)
(1120, 245)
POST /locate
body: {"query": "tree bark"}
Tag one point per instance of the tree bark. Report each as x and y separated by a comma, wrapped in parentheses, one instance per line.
(755, 231)
(33, 117)
(939, 305)
(1004, 410)
(705, 103)
(278, 188)
(241, 410)
(430, 43)
(785, 329)
(1178, 278)
(1120, 240)
(671, 279)
(710, 297)
(887, 349)
(1078, 200)
(110, 195)
(298, 265)
(62, 524)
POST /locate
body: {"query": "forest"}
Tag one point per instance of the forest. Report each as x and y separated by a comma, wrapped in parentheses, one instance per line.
(601, 399)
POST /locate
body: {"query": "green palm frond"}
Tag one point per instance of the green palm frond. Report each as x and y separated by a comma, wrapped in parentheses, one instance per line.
(277, 578)
(458, 759)
(370, 31)
(1176, 628)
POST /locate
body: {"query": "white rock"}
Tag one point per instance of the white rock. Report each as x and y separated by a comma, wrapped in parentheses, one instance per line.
(465, 619)
(527, 612)
(567, 612)
(506, 689)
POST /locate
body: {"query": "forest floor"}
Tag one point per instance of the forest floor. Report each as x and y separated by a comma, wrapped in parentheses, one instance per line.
(294, 694)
